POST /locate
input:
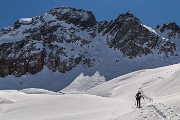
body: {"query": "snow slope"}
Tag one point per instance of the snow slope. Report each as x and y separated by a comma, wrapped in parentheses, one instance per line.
(160, 87)
(58, 107)
(112, 100)
(155, 82)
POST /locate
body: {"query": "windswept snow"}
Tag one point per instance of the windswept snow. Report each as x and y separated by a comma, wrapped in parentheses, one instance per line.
(150, 29)
(154, 82)
(83, 83)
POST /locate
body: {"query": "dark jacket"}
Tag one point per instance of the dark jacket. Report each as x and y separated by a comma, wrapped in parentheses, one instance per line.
(139, 96)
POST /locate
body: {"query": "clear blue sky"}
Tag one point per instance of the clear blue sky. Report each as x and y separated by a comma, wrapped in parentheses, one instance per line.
(150, 12)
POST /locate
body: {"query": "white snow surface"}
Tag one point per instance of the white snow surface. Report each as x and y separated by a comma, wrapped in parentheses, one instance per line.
(112, 100)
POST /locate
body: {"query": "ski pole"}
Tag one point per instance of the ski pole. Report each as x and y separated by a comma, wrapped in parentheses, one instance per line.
(144, 102)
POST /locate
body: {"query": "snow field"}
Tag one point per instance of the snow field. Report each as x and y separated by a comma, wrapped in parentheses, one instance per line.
(111, 100)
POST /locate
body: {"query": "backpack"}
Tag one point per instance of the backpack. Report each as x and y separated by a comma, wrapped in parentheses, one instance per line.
(138, 96)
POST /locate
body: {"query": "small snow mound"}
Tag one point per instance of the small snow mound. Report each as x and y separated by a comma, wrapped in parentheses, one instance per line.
(37, 91)
(6, 101)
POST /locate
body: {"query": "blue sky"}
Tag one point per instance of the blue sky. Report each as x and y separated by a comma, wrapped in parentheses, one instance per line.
(150, 12)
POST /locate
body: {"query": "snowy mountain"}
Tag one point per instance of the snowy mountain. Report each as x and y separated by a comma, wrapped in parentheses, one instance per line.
(67, 48)
(159, 86)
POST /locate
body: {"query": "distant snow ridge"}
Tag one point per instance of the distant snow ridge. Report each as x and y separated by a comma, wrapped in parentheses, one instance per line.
(37, 91)
(67, 44)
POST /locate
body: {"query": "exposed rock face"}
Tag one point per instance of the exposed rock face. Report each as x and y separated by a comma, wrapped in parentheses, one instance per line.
(20, 58)
(65, 37)
(133, 38)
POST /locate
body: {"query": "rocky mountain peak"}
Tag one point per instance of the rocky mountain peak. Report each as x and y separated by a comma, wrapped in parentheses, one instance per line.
(123, 22)
(132, 38)
(75, 16)
(128, 16)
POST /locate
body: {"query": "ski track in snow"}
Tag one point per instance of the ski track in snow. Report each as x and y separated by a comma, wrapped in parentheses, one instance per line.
(153, 111)
(157, 111)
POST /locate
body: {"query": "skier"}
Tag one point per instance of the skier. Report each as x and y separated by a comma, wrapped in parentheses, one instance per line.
(138, 99)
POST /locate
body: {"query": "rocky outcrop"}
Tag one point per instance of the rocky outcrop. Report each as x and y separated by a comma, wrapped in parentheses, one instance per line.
(76, 16)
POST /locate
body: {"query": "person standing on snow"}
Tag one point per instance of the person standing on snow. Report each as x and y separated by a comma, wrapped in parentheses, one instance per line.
(138, 99)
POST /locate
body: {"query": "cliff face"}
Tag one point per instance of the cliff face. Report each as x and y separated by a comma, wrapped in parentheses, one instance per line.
(66, 37)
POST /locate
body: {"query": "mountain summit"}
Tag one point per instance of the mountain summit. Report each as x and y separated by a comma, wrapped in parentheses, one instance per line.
(67, 42)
